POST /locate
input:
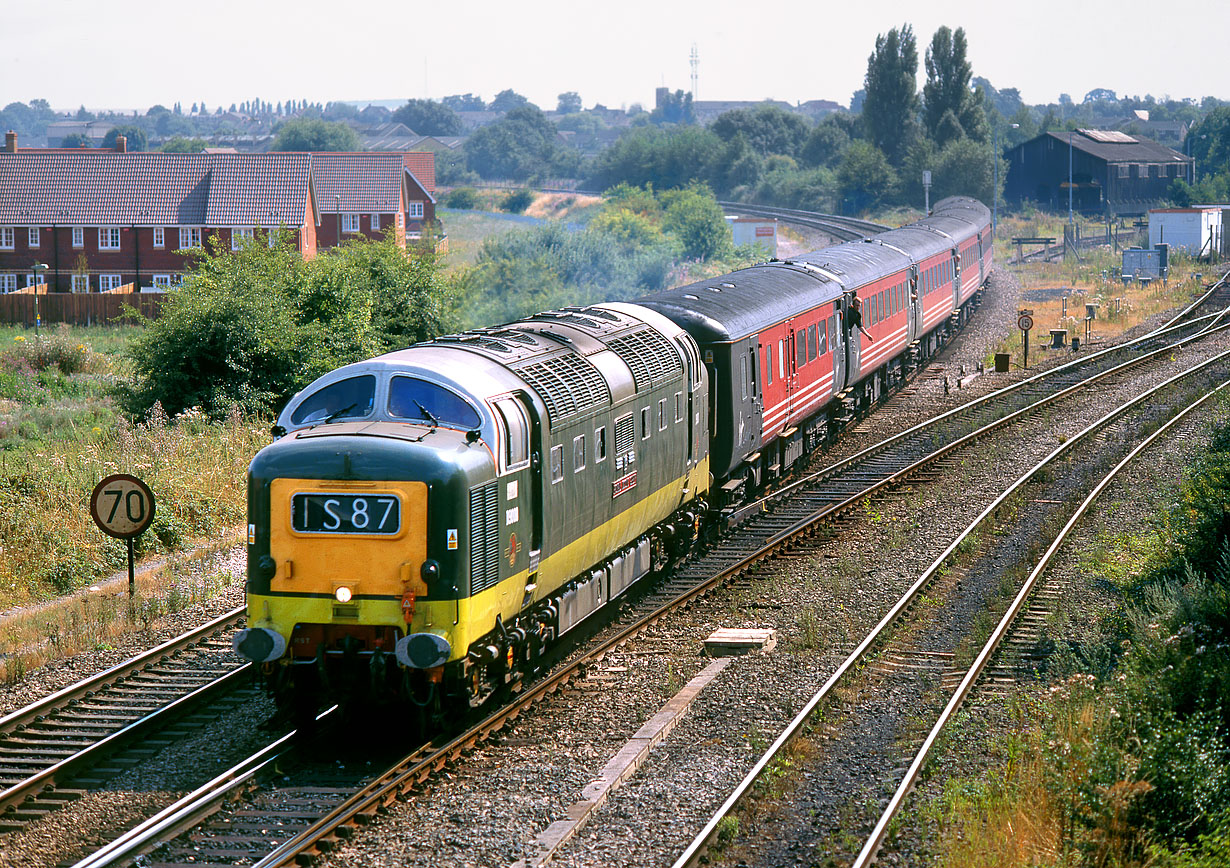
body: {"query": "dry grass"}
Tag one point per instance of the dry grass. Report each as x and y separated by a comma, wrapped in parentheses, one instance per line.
(1003, 829)
(93, 620)
(561, 206)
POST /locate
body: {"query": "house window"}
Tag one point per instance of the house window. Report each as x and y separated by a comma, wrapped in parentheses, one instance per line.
(600, 445)
(108, 281)
(239, 236)
(32, 236)
(189, 238)
(578, 454)
(7, 238)
(375, 222)
(160, 237)
(162, 281)
(414, 210)
(81, 283)
(42, 280)
(557, 464)
(399, 219)
(8, 282)
(108, 238)
(78, 236)
(350, 222)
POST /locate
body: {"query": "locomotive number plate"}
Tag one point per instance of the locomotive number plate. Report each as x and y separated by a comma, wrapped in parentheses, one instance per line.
(345, 513)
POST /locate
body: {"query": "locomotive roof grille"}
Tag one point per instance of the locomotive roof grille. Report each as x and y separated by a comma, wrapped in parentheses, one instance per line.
(649, 355)
(568, 385)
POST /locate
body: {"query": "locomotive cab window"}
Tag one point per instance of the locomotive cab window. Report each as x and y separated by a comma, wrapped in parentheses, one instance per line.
(346, 399)
(578, 454)
(600, 445)
(516, 431)
(557, 464)
(421, 401)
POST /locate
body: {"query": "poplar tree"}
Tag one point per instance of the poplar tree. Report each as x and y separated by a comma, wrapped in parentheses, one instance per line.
(890, 108)
(950, 108)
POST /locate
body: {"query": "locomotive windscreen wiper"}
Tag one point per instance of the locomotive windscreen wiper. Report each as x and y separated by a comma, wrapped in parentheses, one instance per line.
(341, 412)
(427, 414)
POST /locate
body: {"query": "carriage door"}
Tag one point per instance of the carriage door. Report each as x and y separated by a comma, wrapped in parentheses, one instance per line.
(914, 303)
(854, 338)
(692, 400)
(837, 348)
(521, 500)
(788, 355)
(956, 279)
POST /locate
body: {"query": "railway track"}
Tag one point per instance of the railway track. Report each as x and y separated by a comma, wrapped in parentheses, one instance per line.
(259, 820)
(841, 228)
(53, 748)
(899, 643)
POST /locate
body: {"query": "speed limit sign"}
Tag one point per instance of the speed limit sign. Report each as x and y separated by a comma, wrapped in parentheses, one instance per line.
(1025, 322)
(122, 505)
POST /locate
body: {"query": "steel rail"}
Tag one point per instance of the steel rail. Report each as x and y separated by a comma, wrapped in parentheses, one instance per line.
(867, 854)
(39, 709)
(186, 812)
(700, 843)
(863, 226)
(1181, 315)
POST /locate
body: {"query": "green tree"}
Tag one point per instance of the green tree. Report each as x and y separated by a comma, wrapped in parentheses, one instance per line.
(250, 328)
(310, 134)
(521, 145)
(768, 129)
(464, 102)
(865, 179)
(181, 145)
(693, 217)
(825, 144)
(673, 108)
(76, 140)
(137, 140)
(950, 108)
(661, 158)
(569, 103)
(507, 100)
(429, 118)
(891, 104)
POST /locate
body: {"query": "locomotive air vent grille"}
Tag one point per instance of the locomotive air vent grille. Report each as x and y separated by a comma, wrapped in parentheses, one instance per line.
(568, 385)
(484, 538)
(600, 313)
(650, 356)
(625, 434)
(475, 341)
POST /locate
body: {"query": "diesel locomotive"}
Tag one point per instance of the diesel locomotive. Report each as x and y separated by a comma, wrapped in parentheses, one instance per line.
(429, 522)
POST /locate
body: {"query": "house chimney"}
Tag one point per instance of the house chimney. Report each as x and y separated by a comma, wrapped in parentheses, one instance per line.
(10, 142)
(121, 144)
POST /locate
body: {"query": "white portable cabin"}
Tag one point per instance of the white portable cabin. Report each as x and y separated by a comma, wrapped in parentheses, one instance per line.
(1196, 230)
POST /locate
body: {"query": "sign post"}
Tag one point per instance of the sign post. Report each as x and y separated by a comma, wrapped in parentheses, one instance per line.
(123, 507)
(1025, 321)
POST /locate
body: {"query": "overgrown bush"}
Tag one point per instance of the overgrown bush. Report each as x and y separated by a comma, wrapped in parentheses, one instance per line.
(58, 349)
(517, 201)
(463, 199)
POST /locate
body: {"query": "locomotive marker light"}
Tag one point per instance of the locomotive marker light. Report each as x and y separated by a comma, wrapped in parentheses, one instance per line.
(1025, 322)
(123, 507)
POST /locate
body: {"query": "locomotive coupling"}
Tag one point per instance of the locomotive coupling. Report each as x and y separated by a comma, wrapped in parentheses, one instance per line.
(422, 650)
(259, 644)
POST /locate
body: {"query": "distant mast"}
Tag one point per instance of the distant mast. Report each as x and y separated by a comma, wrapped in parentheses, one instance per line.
(695, 61)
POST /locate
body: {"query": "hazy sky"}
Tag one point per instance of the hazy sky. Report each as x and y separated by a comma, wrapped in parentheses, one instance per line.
(132, 54)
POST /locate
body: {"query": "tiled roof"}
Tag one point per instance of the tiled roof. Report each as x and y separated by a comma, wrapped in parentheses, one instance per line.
(362, 182)
(422, 165)
(144, 189)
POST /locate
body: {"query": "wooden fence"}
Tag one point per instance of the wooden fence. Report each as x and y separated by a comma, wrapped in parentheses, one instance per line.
(76, 308)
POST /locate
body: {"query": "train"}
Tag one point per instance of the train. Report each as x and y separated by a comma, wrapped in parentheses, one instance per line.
(430, 522)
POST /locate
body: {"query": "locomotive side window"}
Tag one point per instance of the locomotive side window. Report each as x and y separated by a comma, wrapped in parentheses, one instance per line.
(679, 406)
(516, 431)
(662, 414)
(557, 464)
(645, 430)
(346, 399)
(411, 398)
(600, 445)
(578, 454)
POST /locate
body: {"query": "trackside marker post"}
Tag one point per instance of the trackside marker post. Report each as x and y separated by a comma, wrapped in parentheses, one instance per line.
(123, 506)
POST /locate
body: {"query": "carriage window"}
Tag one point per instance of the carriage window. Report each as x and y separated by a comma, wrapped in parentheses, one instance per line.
(557, 464)
(578, 454)
(883, 296)
(346, 399)
(768, 364)
(811, 343)
(516, 430)
(645, 431)
(824, 337)
(781, 357)
(411, 398)
(600, 445)
(800, 348)
(743, 375)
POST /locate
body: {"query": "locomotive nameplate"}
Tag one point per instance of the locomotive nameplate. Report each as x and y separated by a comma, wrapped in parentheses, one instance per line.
(334, 512)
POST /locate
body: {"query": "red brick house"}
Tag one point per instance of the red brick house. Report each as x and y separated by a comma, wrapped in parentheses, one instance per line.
(367, 192)
(100, 220)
